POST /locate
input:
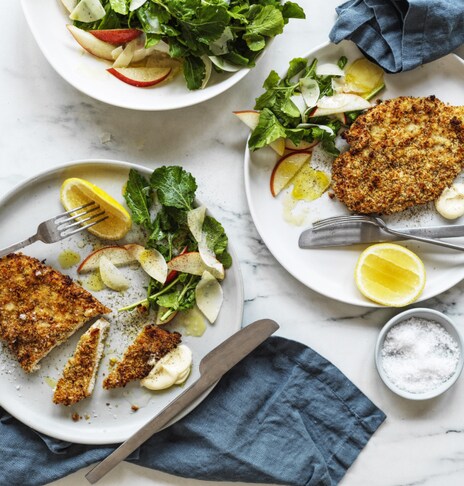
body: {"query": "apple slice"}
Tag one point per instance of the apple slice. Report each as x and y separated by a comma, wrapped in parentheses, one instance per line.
(310, 91)
(340, 103)
(209, 296)
(142, 77)
(329, 69)
(192, 263)
(70, 5)
(118, 255)
(251, 119)
(88, 11)
(173, 273)
(286, 168)
(195, 219)
(91, 44)
(224, 65)
(150, 260)
(208, 70)
(302, 146)
(112, 276)
(116, 36)
(125, 58)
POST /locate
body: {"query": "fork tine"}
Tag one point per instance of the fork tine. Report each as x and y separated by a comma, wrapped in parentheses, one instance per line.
(66, 233)
(78, 223)
(335, 220)
(78, 215)
(66, 213)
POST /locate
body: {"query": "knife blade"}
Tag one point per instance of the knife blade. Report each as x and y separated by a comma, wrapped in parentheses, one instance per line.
(355, 233)
(212, 367)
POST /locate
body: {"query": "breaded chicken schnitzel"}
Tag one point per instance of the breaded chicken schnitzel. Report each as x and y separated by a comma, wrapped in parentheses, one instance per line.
(403, 152)
(40, 308)
(152, 342)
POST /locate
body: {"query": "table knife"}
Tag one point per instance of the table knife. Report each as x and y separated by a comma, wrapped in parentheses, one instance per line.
(355, 233)
(212, 367)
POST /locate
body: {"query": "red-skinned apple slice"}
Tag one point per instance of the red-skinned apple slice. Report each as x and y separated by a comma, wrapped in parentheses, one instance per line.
(285, 170)
(251, 119)
(116, 36)
(142, 77)
(150, 260)
(173, 273)
(112, 276)
(91, 44)
(193, 264)
(118, 255)
(209, 296)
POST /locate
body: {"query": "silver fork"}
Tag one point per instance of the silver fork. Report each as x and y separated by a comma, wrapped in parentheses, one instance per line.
(57, 228)
(376, 221)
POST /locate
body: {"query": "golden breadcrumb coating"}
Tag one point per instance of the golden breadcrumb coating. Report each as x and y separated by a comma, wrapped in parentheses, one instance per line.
(40, 308)
(78, 379)
(152, 342)
(403, 152)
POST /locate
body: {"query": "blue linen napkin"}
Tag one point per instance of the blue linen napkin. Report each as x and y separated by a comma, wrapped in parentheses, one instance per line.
(401, 34)
(283, 415)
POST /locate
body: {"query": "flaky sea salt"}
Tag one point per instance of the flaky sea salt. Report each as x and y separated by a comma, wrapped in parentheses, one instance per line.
(418, 355)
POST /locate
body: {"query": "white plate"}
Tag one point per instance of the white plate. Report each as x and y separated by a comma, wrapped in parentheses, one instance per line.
(331, 271)
(47, 20)
(106, 416)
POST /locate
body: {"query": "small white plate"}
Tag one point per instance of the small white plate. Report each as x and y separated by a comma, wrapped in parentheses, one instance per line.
(331, 271)
(427, 314)
(47, 20)
(107, 416)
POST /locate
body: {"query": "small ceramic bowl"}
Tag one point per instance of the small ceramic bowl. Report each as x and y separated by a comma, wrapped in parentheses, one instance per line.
(431, 315)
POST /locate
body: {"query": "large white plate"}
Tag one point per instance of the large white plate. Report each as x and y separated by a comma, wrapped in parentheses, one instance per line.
(331, 271)
(47, 20)
(107, 416)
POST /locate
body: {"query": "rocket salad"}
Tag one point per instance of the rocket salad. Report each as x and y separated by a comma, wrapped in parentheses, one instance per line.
(219, 34)
(193, 243)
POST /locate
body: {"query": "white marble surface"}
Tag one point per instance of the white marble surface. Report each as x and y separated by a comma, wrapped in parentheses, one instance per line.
(44, 122)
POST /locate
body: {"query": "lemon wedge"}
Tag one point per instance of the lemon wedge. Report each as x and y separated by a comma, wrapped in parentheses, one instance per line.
(75, 192)
(390, 274)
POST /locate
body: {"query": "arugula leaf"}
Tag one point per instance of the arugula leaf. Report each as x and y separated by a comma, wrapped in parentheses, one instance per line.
(292, 10)
(174, 186)
(137, 194)
(268, 22)
(194, 72)
(120, 6)
(216, 240)
(268, 129)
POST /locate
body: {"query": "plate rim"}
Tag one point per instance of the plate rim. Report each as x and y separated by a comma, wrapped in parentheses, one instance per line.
(233, 79)
(261, 232)
(239, 299)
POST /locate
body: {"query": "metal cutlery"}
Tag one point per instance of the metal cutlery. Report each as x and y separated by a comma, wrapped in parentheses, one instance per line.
(354, 229)
(61, 226)
(212, 367)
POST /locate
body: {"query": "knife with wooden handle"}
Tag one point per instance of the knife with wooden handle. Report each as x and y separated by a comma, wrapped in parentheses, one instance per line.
(212, 367)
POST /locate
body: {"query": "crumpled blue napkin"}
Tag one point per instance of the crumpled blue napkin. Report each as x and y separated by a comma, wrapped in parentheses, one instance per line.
(401, 34)
(283, 415)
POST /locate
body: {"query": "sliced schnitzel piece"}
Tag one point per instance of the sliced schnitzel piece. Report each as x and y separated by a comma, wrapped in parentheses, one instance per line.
(78, 379)
(40, 308)
(152, 342)
(403, 152)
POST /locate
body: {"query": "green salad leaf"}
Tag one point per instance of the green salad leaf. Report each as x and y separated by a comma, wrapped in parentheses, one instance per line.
(235, 30)
(280, 117)
(160, 205)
